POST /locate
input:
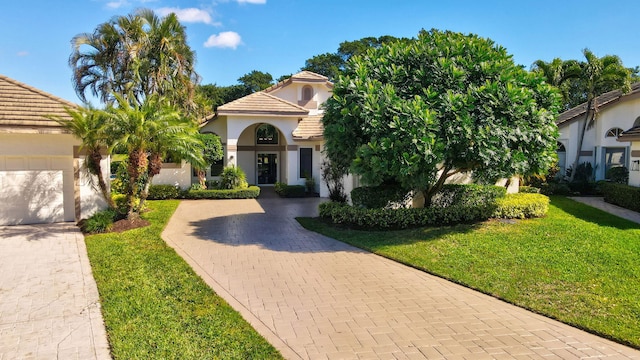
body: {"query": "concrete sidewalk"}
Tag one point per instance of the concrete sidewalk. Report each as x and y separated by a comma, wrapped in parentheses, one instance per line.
(317, 298)
(49, 304)
(599, 203)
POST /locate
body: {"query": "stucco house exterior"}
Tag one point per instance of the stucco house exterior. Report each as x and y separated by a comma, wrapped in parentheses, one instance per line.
(274, 135)
(614, 140)
(42, 178)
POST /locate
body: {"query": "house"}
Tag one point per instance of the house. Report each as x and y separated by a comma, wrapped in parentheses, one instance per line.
(274, 135)
(613, 141)
(42, 179)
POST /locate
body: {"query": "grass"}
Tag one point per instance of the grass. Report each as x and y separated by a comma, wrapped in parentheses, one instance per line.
(156, 307)
(579, 265)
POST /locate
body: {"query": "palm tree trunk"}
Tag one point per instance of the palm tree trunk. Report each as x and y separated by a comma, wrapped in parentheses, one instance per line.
(96, 158)
(137, 164)
(581, 140)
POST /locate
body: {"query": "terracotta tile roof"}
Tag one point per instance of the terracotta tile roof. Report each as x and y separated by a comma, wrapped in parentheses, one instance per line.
(261, 103)
(309, 128)
(301, 77)
(603, 100)
(23, 108)
(632, 134)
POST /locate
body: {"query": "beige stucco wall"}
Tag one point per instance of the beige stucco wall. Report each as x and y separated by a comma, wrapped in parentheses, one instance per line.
(179, 175)
(634, 175)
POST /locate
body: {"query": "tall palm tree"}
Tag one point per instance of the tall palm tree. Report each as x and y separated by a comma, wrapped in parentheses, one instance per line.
(135, 56)
(149, 132)
(558, 73)
(598, 75)
(90, 125)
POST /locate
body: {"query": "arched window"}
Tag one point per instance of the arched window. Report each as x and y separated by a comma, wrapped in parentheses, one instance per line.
(637, 122)
(560, 147)
(266, 134)
(614, 132)
(307, 93)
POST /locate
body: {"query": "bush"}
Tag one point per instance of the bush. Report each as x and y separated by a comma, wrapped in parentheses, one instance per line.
(197, 186)
(213, 184)
(379, 197)
(467, 194)
(121, 205)
(555, 189)
(290, 191)
(618, 174)
(521, 206)
(528, 190)
(99, 222)
(584, 187)
(622, 195)
(163, 192)
(402, 218)
(333, 177)
(250, 192)
(233, 177)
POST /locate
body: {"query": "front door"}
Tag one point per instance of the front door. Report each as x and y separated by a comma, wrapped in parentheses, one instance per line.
(267, 169)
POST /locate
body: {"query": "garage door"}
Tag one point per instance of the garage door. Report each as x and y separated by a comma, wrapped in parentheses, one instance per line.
(31, 196)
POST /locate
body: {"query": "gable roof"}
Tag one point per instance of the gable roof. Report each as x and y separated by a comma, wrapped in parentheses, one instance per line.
(309, 128)
(261, 103)
(304, 77)
(603, 100)
(23, 108)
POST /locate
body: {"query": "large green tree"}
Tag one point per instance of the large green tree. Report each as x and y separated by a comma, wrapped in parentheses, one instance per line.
(211, 152)
(149, 133)
(247, 84)
(135, 56)
(417, 112)
(332, 64)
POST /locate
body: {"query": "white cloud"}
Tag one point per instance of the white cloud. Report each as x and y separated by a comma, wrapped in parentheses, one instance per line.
(251, 1)
(117, 4)
(189, 15)
(226, 39)
(22, 53)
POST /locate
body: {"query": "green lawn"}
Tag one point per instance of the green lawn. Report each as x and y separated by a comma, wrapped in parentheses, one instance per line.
(579, 265)
(156, 307)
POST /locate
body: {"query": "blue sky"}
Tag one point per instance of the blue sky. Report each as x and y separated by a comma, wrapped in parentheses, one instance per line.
(233, 37)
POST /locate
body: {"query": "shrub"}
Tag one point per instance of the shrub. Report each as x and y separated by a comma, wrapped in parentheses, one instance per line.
(233, 177)
(528, 190)
(555, 189)
(521, 206)
(583, 187)
(213, 184)
(378, 197)
(250, 192)
(622, 195)
(197, 186)
(333, 177)
(290, 191)
(99, 222)
(618, 174)
(120, 201)
(467, 194)
(163, 192)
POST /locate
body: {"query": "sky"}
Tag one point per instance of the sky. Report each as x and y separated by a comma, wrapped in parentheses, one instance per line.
(233, 37)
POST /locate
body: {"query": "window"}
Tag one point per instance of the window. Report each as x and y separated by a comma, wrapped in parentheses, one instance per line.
(614, 132)
(560, 147)
(637, 122)
(306, 161)
(217, 167)
(307, 93)
(614, 157)
(267, 134)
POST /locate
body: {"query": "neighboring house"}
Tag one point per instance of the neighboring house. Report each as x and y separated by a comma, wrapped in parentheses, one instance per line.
(42, 179)
(613, 141)
(274, 135)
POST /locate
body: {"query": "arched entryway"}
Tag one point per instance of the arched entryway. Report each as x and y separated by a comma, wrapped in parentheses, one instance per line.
(261, 153)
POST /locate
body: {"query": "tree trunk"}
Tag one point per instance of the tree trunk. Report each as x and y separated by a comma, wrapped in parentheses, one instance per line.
(137, 164)
(202, 178)
(581, 140)
(95, 157)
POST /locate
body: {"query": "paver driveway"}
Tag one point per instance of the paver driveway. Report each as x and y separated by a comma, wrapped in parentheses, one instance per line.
(49, 305)
(314, 297)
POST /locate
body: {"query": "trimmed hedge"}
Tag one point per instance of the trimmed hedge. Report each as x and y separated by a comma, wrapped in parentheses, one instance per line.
(378, 197)
(528, 190)
(290, 191)
(521, 206)
(402, 218)
(163, 192)
(467, 194)
(251, 192)
(622, 195)
(555, 189)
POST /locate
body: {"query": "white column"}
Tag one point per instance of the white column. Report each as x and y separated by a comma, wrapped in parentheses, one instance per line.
(292, 165)
(232, 152)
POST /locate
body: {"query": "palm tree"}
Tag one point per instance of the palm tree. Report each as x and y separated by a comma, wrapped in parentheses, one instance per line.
(149, 132)
(558, 73)
(135, 56)
(90, 125)
(598, 76)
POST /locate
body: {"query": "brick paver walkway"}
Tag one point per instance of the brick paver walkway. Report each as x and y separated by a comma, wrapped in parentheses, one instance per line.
(317, 298)
(49, 305)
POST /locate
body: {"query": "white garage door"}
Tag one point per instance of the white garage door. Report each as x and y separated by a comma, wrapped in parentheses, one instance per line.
(31, 197)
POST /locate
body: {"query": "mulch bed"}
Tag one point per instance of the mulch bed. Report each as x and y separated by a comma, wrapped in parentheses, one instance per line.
(124, 225)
